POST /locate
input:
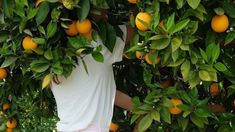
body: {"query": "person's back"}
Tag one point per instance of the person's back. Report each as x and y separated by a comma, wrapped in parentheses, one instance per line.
(86, 100)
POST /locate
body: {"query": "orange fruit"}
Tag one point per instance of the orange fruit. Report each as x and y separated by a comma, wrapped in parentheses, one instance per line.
(219, 23)
(72, 29)
(214, 89)
(147, 59)
(12, 123)
(9, 130)
(132, 1)
(145, 17)
(174, 110)
(88, 35)
(113, 127)
(84, 26)
(139, 55)
(166, 83)
(3, 73)
(5, 106)
(28, 43)
(38, 2)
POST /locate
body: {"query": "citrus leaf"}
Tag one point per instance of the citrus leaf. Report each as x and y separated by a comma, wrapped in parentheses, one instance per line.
(156, 115)
(42, 13)
(98, 56)
(145, 123)
(46, 81)
(8, 61)
(194, 3)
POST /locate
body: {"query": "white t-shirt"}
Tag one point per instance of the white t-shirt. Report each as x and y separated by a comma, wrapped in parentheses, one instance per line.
(88, 99)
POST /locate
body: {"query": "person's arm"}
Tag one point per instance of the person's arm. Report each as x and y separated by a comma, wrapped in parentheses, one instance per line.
(130, 34)
(123, 100)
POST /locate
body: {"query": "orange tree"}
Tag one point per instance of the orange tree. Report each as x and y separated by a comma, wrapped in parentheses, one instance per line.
(182, 80)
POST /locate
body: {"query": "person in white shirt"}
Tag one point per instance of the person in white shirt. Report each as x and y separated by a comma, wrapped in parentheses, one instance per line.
(85, 101)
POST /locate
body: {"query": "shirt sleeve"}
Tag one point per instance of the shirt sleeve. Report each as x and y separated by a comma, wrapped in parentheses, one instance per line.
(119, 45)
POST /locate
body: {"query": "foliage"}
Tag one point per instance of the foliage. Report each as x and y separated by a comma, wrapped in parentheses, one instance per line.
(192, 56)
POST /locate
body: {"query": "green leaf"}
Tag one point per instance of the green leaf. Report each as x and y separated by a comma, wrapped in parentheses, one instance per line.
(198, 121)
(204, 55)
(84, 9)
(51, 29)
(39, 66)
(8, 61)
(85, 66)
(145, 123)
(42, 13)
(134, 118)
(156, 115)
(183, 122)
(194, 3)
(229, 9)
(185, 69)
(32, 13)
(229, 38)
(207, 76)
(48, 55)
(179, 26)
(165, 115)
(39, 40)
(166, 102)
(78, 42)
(41, 30)
(98, 56)
(221, 67)
(57, 68)
(180, 3)
(219, 11)
(111, 37)
(213, 52)
(170, 22)
(160, 43)
(200, 112)
(175, 43)
(8, 8)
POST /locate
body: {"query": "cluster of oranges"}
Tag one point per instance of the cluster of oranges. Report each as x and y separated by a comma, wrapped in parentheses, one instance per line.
(84, 28)
(140, 55)
(11, 123)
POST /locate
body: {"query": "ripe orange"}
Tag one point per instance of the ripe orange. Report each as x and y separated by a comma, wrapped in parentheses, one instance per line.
(166, 83)
(113, 127)
(9, 130)
(145, 17)
(12, 123)
(174, 110)
(84, 26)
(214, 89)
(219, 23)
(132, 1)
(72, 29)
(28, 43)
(3, 73)
(147, 59)
(5, 106)
(139, 55)
(88, 35)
